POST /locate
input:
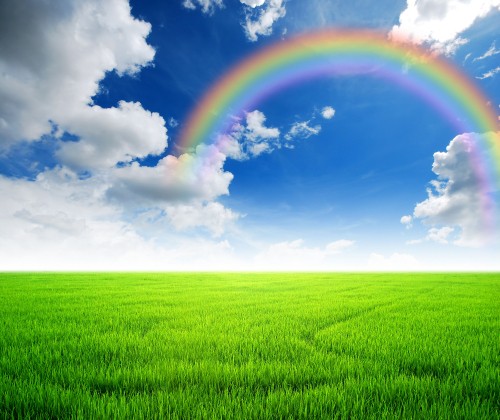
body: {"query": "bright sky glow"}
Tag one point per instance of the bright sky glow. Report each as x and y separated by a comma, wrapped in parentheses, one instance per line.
(348, 171)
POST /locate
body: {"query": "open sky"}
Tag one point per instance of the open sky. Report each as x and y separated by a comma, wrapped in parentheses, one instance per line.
(341, 172)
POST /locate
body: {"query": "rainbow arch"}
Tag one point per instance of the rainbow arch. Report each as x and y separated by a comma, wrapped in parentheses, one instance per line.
(327, 52)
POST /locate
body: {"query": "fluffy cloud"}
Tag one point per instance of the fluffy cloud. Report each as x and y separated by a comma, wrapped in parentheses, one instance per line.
(53, 56)
(111, 135)
(327, 112)
(54, 220)
(59, 221)
(185, 179)
(407, 221)
(254, 138)
(256, 128)
(261, 21)
(302, 130)
(439, 23)
(260, 15)
(440, 234)
(250, 139)
(253, 3)
(207, 6)
(457, 197)
(212, 216)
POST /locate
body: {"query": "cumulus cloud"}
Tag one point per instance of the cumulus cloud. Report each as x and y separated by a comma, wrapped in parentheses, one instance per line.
(260, 15)
(260, 21)
(440, 234)
(111, 135)
(327, 112)
(53, 56)
(250, 139)
(212, 216)
(253, 3)
(51, 221)
(253, 138)
(302, 130)
(207, 6)
(457, 198)
(407, 221)
(60, 221)
(185, 179)
(439, 23)
(256, 128)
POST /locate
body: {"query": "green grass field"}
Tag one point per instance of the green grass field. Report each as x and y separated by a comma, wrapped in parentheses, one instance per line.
(250, 346)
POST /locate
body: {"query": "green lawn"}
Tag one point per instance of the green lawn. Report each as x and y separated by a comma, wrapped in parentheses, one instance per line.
(250, 346)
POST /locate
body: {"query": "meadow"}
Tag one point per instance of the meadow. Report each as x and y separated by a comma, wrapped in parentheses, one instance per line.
(247, 345)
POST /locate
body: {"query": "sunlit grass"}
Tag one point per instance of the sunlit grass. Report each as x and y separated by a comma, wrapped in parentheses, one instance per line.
(250, 345)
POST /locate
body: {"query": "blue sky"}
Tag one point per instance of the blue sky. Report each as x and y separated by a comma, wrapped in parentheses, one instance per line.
(330, 174)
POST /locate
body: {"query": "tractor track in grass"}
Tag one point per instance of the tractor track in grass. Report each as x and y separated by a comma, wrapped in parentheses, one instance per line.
(311, 336)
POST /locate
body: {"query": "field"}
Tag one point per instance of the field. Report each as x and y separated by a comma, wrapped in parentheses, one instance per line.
(250, 346)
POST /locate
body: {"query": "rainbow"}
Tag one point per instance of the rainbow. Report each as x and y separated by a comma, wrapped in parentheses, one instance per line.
(454, 96)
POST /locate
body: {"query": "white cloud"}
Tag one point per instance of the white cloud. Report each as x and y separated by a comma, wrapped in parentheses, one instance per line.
(213, 216)
(488, 53)
(53, 56)
(489, 73)
(261, 21)
(184, 188)
(250, 139)
(184, 179)
(172, 122)
(407, 221)
(111, 135)
(302, 130)
(51, 222)
(260, 15)
(291, 255)
(440, 235)
(207, 6)
(439, 23)
(327, 112)
(254, 138)
(256, 128)
(253, 3)
(294, 255)
(457, 198)
(338, 246)
(259, 148)
(394, 262)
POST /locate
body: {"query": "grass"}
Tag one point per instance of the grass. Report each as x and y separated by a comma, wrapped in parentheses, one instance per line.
(250, 346)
